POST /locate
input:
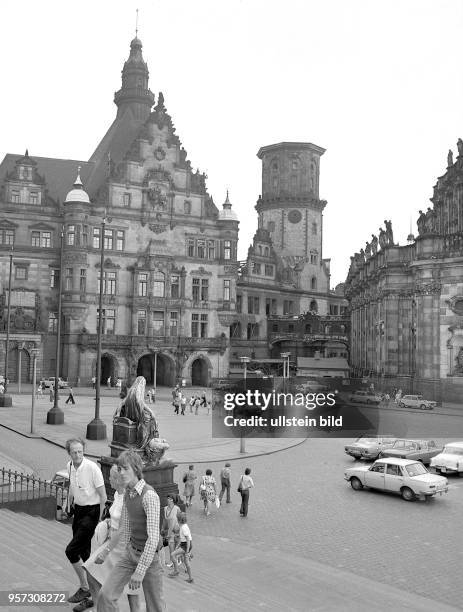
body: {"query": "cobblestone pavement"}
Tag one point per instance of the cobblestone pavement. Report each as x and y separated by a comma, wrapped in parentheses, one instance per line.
(302, 506)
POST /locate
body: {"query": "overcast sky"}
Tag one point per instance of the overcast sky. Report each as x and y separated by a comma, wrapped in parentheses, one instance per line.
(379, 84)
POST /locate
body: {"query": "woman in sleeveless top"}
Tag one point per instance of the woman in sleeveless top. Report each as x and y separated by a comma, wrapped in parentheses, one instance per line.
(170, 524)
(208, 490)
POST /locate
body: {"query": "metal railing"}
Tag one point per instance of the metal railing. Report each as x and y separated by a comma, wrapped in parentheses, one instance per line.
(18, 487)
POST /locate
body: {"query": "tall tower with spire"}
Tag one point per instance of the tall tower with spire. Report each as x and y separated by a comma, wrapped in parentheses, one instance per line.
(134, 93)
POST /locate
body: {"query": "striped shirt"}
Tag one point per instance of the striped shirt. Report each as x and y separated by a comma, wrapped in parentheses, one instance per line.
(151, 506)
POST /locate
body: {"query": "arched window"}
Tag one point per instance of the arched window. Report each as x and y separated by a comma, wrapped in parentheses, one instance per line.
(327, 329)
(158, 284)
(308, 328)
(314, 229)
(313, 282)
(313, 306)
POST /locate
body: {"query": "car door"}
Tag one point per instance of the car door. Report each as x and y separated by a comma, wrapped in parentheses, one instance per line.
(393, 478)
(374, 477)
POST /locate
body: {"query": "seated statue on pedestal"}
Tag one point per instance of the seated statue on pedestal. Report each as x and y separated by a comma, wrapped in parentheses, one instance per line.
(134, 413)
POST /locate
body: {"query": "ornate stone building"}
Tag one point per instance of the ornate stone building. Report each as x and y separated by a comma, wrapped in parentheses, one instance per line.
(170, 271)
(407, 301)
(285, 277)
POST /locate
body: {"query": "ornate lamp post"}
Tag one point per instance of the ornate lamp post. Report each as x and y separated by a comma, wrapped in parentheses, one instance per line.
(55, 416)
(5, 400)
(285, 357)
(96, 429)
(244, 361)
(34, 353)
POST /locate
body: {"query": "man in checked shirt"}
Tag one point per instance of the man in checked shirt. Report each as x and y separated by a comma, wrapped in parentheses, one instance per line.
(139, 528)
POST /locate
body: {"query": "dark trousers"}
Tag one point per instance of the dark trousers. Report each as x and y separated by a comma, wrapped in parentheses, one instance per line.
(83, 526)
(225, 487)
(70, 399)
(244, 502)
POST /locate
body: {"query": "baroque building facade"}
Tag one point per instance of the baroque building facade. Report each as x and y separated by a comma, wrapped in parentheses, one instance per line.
(177, 304)
(406, 301)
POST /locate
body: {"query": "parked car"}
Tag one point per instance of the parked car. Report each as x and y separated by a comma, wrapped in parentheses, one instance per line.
(418, 450)
(365, 397)
(417, 401)
(49, 382)
(408, 478)
(450, 459)
(369, 447)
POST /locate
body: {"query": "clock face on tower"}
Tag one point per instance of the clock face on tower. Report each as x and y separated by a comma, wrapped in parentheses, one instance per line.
(294, 216)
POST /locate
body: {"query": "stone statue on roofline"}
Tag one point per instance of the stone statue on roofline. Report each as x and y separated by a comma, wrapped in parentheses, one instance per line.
(450, 159)
(389, 234)
(421, 223)
(367, 251)
(382, 238)
(374, 244)
(138, 413)
(460, 147)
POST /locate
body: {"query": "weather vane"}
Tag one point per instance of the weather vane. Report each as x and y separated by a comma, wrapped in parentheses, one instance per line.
(136, 25)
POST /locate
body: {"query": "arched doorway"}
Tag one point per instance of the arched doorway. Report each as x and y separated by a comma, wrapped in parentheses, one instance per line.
(108, 369)
(199, 373)
(158, 365)
(14, 365)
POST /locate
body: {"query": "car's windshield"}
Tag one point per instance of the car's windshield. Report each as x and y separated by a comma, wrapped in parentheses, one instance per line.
(368, 440)
(415, 469)
(454, 450)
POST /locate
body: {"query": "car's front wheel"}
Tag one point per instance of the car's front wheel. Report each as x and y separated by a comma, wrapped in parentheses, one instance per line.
(356, 484)
(407, 494)
(401, 404)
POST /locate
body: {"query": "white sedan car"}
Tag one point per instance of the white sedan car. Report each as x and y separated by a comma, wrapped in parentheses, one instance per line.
(450, 459)
(417, 401)
(404, 476)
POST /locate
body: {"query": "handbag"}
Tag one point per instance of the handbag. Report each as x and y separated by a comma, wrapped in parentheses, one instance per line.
(101, 533)
(240, 486)
(185, 478)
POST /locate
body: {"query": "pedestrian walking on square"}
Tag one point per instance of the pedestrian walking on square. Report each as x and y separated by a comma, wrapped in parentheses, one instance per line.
(97, 573)
(182, 403)
(176, 404)
(203, 399)
(183, 551)
(39, 392)
(208, 490)
(171, 512)
(52, 393)
(108, 382)
(94, 381)
(139, 531)
(189, 481)
(87, 494)
(225, 481)
(197, 405)
(192, 403)
(70, 397)
(246, 483)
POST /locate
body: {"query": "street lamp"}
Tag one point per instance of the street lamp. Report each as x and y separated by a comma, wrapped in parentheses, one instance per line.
(55, 416)
(34, 353)
(6, 400)
(96, 429)
(285, 357)
(244, 361)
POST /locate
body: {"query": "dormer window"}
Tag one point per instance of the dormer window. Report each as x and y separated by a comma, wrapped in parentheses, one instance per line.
(34, 197)
(15, 196)
(25, 173)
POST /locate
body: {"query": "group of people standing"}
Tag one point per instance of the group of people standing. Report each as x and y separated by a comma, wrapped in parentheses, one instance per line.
(180, 402)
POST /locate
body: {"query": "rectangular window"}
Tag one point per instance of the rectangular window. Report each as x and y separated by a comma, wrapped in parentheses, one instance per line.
(83, 280)
(227, 249)
(108, 240)
(203, 326)
(71, 235)
(96, 237)
(85, 235)
(174, 323)
(6, 236)
(291, 328)
(204, 289)
(52, 323)
(20, 272)
(142, 284)
(196, 289)
(34, 197)
(273, 308)
(239, 302)
(195, 325)
(158, 323)
(201, 245)
(35, 239)
(190, 247)
(109, 283)
(252, 331)
(226, 290)
(68, 284)
(333, 309)
(45, 240)
(120, 240)
(256, 268)
(267, 306)
(288, 307)
(141, 322)
(127, 200)
(268, 270)
(109, 321)
(174, 287)
(211, 249)
(15, 197)
(313, 258)
(158, 284)
(54, 278)
(253, 305)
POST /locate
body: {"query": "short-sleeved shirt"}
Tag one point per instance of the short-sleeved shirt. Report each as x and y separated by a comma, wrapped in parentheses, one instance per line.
(185, 533)
(85, 481)
(246, 482)
(225, 473)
